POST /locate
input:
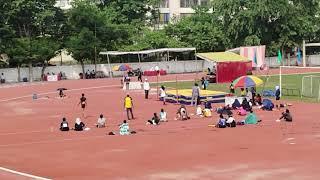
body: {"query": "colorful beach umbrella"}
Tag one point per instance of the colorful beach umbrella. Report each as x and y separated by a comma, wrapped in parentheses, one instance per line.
(247, 81)
(123, 67)
(115, 68)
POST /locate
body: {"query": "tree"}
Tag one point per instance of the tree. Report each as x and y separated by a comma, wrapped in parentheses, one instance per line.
(152, 40)
(30, 20)
(279, 24)
(200, 30)
(82, 46)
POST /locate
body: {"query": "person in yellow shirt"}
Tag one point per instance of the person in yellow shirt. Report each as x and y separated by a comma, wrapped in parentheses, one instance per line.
(128, 105)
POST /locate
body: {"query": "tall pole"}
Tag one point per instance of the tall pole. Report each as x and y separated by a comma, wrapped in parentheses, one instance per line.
(304, 53)
(177, 96)
(195, 56)
(60, 57)
(95, 47)
(110, 69)
(280, 81)
(139, 60)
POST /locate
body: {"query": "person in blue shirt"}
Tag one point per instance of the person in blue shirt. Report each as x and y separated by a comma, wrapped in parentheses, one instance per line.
(221, 122)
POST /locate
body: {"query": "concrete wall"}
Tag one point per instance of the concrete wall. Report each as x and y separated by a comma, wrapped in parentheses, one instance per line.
(312, 60)
(72, 72)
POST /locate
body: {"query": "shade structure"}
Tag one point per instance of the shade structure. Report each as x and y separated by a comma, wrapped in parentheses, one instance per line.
(123, 67)
(247, 81)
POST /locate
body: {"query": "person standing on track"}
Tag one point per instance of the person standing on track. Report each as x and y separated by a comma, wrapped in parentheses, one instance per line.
(146, 87)
(128, 105)
(83, 102)
(195, 94)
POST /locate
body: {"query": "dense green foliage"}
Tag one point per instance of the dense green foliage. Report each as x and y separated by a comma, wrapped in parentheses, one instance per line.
(33, 31)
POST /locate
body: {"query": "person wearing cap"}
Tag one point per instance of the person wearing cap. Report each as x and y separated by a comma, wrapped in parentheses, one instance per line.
(146, 87)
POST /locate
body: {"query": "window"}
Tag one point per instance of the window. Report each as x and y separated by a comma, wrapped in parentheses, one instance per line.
(188, 3)
(204, 2)
(164, 18)
(185, 14)
(164, 4)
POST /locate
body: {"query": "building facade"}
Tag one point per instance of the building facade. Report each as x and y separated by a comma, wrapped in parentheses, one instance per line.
(63, 4)
(172, 10)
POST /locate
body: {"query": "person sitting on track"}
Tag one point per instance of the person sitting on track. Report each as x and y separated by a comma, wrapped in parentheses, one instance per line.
(101, 122)
(155, 120)
(79, 125)
(64, 126)
(231, 122)
(251, 118)
(286, 116)
(182, 113)
(124, 128)
(163, 116)
(258, 100)
(221, 122)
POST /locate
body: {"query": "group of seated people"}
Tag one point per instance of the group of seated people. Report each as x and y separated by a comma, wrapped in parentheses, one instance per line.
(90, 74)
(230, 121)
(80, 126)
(155, 120)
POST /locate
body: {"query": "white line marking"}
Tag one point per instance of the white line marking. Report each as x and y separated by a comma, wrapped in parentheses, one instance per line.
(23, 174)
(15, 133)
(48, 142)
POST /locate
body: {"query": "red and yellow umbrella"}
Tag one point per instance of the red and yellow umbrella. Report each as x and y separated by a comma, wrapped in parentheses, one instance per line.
(123, 67)
(247, 81)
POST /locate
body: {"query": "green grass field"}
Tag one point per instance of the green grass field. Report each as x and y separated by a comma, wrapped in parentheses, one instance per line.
(293, 82)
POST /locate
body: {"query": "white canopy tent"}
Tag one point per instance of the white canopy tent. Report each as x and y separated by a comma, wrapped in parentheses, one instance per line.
(168, 50)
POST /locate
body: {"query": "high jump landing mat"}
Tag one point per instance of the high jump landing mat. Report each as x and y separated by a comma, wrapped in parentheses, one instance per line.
(184, 96)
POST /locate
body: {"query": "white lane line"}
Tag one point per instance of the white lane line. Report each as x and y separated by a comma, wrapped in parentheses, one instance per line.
(27, 132)
(51, 141)
(23, 174)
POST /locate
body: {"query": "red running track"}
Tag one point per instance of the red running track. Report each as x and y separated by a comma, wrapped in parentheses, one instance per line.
(31, 143)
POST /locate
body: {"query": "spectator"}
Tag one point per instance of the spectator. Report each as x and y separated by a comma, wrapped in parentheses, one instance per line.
(93, 74)
(88, 74)
(163, 94)
(2, 79)
(249, 96)
(221, 122)
(286, 116)
(231, 122)
(155, 120)
(124, 128)
(242, 92)
(251, 118)
(139, 75)
(79, 125)
(182, 113)
(101, 122)
(146, 87)
(258, 100)
(64, 126)
(163, 116)
(195, 94)
(231, 88)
